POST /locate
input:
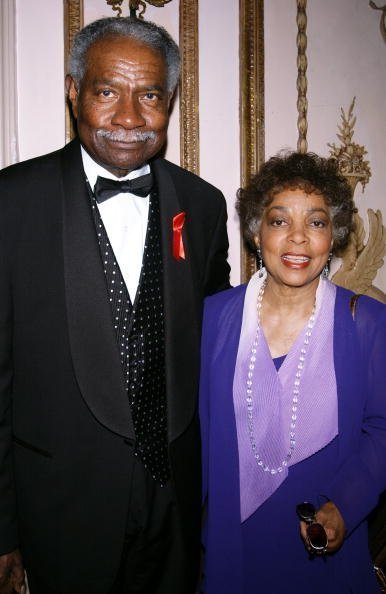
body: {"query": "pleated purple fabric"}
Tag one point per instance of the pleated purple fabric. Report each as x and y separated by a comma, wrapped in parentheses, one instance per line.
(314, 411)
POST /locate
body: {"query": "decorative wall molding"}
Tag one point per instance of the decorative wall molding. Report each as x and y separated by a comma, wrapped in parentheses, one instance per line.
(301, 83)
(189, 87)
(251, 104)
(73, 22)
(8, 79)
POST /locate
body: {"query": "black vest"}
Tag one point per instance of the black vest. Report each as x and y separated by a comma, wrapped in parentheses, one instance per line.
(140, 336)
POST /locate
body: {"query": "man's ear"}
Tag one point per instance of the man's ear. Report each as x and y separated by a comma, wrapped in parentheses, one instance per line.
(72, 94)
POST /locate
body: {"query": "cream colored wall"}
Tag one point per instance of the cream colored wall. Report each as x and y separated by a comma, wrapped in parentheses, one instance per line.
(39, 29)
(346, 57)
(219, 109)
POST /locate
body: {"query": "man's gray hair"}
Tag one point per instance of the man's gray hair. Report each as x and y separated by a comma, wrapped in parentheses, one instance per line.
(145, 32)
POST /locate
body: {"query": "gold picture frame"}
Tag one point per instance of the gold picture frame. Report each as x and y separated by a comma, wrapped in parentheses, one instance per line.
(73, 22)
(189, 87)
(251, 105)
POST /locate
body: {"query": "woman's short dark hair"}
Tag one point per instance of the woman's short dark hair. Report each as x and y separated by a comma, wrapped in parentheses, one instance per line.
(305, 171)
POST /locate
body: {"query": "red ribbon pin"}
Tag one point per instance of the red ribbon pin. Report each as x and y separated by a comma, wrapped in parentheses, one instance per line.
(178, 244)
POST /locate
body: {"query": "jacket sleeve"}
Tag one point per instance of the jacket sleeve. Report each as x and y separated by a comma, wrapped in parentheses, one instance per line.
(8, 526)
(204, 394)
(217, 268)
(362, 477)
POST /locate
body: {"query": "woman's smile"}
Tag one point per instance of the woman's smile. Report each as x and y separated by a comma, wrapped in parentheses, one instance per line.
(295, 260)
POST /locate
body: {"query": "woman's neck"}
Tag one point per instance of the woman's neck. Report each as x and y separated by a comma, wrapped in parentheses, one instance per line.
(284, 313)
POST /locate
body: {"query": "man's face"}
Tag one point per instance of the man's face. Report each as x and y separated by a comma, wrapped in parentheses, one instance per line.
(122, 104)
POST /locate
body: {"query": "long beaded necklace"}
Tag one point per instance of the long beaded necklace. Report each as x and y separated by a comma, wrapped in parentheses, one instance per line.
(295, 390)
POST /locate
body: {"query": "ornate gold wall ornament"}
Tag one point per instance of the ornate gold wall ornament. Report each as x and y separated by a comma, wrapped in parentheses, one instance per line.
(251, 104)
(158, 3)
(360, 260)
(350, 156)
(115, 5)
(382, 24)
(135, 5)
(301, 83)
(189, 87)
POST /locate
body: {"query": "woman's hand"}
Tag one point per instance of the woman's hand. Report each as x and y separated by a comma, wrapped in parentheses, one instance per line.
(332, 521)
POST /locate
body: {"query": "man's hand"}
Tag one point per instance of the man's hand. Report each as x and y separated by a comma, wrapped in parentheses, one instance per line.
(331, 519)
(12, 573)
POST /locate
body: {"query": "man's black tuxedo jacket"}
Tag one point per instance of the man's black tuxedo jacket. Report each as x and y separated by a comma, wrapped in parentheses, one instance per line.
(65, 423)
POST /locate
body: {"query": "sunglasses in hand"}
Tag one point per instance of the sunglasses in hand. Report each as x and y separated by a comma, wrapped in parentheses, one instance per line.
(316, 534)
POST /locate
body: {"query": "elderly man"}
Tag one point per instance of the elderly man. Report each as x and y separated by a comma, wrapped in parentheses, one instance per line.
(106, 253)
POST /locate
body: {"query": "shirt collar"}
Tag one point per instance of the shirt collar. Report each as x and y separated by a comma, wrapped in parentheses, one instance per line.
(92, 169)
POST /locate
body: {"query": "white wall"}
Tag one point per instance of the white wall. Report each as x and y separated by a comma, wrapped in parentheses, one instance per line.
(40, 77)
(346, 57)
(219, 109)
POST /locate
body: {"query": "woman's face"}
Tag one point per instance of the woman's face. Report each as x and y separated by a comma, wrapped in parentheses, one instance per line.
(295, 237)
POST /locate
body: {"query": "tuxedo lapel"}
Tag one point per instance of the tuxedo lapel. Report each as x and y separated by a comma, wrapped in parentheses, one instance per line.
(93, 343)
(182, 333)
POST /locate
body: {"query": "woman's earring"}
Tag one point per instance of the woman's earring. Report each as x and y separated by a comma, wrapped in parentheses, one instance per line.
(326, 269)
(259, 262)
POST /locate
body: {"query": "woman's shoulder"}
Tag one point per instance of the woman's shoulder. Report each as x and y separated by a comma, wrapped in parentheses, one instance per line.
(368, 316)
(232, 295)
(223, 313)
(226, 304)
(364, 305)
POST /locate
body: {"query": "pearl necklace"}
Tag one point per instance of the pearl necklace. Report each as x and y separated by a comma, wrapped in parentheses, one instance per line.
(295, 390)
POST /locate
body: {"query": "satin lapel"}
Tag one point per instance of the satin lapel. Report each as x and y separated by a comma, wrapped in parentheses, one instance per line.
(92, 339)
(182, 333)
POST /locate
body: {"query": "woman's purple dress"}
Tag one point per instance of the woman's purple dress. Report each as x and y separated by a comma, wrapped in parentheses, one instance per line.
(265, 554)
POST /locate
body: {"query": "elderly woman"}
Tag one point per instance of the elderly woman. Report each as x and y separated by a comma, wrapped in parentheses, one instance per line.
(293, 406)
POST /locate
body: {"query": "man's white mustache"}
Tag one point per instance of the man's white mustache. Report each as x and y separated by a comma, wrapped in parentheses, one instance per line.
(122, 136)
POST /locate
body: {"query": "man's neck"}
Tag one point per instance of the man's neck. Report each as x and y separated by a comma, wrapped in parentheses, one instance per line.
(93, 169)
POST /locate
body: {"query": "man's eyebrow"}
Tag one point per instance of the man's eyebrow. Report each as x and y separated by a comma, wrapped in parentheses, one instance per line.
(102, 81)
(154, 87)
(141, 87)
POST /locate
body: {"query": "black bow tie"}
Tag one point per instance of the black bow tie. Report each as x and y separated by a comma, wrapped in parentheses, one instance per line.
(107, 188)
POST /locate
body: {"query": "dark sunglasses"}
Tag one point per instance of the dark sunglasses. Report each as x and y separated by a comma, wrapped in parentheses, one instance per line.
(316, 534)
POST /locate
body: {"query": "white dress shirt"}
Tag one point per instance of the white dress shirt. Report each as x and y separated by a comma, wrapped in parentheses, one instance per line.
(125, 219)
